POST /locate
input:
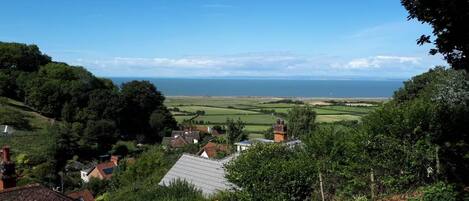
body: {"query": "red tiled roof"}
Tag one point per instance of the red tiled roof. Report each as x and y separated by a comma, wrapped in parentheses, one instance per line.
(213, 148)
(84, 195)
(33, 192)
(106, 169)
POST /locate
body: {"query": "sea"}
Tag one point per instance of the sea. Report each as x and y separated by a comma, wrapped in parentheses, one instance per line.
(272, 87)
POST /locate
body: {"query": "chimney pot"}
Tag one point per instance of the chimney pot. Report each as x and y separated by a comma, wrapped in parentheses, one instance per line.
(115, 159)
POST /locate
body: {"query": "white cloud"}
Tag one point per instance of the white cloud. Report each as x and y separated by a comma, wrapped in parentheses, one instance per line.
(380, 61)
(282, 64)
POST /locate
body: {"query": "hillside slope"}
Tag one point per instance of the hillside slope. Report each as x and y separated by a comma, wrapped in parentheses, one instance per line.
(31, 141)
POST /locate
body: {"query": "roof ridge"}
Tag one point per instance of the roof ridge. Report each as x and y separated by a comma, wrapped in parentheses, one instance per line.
(197, 156)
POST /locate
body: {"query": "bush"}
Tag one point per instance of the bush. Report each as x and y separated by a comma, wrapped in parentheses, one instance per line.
(124, 148)
(437, 192)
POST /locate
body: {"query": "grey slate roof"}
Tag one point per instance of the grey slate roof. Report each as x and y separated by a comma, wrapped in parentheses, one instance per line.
(207, 175)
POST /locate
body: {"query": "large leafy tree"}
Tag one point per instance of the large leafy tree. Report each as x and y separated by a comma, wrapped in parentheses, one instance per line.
(449, 22)
(422, 135)
(22, 57)
(235, 131)
(141, 99)
(301, 121)
(161, 122)
(272, 172)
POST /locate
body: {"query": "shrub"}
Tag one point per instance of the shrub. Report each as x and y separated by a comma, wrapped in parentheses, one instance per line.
(437, 192)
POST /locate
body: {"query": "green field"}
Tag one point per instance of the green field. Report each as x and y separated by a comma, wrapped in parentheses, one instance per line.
(31, 141)
(214, 110)
(254, 110)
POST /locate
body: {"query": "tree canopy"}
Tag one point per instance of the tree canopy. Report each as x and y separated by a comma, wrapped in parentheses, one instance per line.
(17, 56)
(449, 22)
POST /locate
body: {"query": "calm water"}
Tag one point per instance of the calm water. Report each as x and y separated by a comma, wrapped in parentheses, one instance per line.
(277, 88)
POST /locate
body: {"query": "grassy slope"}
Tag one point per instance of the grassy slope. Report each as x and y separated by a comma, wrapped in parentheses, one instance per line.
(33, 141)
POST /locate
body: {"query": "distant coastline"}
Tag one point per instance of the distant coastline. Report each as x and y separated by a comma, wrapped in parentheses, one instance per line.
(272, 88)
(292, 97)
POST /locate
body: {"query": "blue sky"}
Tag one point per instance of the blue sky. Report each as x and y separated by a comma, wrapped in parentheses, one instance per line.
(341, 39)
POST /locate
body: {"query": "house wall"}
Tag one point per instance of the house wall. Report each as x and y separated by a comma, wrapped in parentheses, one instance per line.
(204, 154)
(240, 148)
(84, 176)
(95, 174)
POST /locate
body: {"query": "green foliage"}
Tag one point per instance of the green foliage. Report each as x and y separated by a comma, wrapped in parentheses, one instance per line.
(101, 135)
(301, 121)
(439, 191)
(269, 133)
(97, 186)
(288, 101)
(449, 23)
(235, 131)
(14, 118)
(337, 153)
(272, 172)
(124, 148)
(162, 122)
(141, 100)
(133, 180)
(419, 136)
(22, 57)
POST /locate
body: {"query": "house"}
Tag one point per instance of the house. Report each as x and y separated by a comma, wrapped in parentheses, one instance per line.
(7, 170)
(33, 192)
(214, 150)
(280, 136)
(83, 195)
(9, 191)
(201, 128)
(205, 174)
(243, 145)
(182, 138)
(101, 171)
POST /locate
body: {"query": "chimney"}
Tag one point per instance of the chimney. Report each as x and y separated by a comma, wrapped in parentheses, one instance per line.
(115, 159)
(6, 153)
(7, 170)
(280, 133)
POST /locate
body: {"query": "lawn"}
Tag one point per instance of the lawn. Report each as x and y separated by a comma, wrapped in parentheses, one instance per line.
(333, 118)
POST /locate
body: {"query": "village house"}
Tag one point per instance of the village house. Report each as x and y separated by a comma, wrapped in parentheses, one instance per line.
(101, 171)
(182, 138)
(83, 195)
(244, 145)
(33, 192)
(10, 192)
(208, 174)
(280, 136)
(205, 174)
(214, 150)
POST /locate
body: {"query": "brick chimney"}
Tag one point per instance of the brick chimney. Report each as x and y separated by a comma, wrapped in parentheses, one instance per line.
(280, 131)
(115, 159)
(7, 170)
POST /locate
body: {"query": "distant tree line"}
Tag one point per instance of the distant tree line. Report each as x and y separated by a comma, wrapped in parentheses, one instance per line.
(288, 101)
